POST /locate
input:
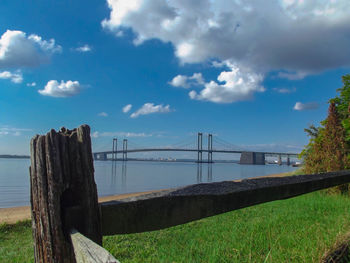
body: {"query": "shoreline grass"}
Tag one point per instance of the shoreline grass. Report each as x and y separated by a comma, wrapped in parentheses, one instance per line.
(300, 229)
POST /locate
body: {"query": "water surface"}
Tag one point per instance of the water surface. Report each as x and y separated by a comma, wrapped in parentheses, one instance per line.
(129, 177)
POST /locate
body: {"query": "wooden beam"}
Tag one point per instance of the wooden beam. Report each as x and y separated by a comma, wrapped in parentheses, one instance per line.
(87, 251)
(178, 206)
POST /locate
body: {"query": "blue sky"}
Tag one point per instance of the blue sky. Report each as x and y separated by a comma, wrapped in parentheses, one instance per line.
(255, 74)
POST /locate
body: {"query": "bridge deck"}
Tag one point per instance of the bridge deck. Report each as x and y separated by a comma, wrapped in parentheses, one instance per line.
(191, 150)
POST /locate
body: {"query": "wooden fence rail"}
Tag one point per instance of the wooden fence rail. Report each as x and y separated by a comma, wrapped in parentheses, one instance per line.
(68, 223)
(178, 206)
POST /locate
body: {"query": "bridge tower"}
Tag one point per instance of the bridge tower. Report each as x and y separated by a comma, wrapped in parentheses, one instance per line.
(200, 147)
(210, 148)
(114, 150)
(125, 150)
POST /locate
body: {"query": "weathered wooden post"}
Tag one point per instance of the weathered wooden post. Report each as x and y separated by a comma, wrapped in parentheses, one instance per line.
(62, 179)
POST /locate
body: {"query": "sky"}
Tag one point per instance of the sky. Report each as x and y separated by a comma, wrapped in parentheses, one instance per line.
(254, 73)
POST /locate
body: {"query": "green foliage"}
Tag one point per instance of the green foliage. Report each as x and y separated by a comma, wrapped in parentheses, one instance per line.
(342, 104)
(328, 148)
(335, 148)
(312, 131)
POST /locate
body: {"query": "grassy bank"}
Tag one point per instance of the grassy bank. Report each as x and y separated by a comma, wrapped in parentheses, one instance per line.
(295, 230)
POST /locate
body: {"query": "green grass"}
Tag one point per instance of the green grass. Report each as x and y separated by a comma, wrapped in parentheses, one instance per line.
(16, 243)
(298, 171)
(295, 230)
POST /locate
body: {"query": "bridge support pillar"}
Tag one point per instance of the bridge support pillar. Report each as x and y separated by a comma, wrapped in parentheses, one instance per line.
(279, 160)
(210, 148)
(200, 147)
(125, 150)
(114, 149)
(252, 158)
(102, 157)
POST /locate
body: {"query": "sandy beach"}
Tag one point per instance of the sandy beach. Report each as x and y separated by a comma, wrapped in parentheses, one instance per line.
(12, 215)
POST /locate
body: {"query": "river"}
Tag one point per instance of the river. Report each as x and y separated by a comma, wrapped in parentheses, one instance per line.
(129, 177)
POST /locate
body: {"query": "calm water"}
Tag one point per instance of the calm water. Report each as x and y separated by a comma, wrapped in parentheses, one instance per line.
(119, 178)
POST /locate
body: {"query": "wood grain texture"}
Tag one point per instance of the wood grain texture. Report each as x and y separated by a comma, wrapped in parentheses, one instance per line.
(62, 176)
(87, 251)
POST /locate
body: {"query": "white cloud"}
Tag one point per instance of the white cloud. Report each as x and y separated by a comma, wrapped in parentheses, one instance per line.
(33, 84)
(49, 46)
(95, 134)
(149, 108)
(292, 75)
(285, 90)
(237, 84)
(179, 81)
(280, 34)
(85, 48)
(127, 108)
(186, 82)
(124, 7)
(18, 50)
(103, 114)
(218, 64)
(63, 89)
(7, 130)
(293, 37)
(305, 106)
(14, 77)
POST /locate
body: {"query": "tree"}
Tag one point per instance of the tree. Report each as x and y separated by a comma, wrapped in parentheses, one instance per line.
(335, 147)
(342, 104)
(328, 148)
(312, 152)
(312, 131)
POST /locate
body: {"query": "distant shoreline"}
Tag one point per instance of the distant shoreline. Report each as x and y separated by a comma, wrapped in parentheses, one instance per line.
(10, 156)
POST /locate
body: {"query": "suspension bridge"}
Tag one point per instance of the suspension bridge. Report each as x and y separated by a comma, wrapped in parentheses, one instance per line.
(204, 154)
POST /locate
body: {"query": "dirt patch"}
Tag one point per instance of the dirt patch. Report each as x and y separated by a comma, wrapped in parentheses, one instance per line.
(13, 214)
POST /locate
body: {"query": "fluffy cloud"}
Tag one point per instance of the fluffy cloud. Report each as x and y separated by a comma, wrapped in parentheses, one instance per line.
(127, 108)
(186, 82)
(305, 106)
(63, 89)
(292, 37)
(103, 114)
(149, 108)
(286, 35)
(85, 48)
(19, 50)
(236, 84)
(14, 77)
